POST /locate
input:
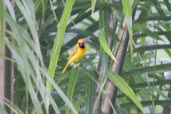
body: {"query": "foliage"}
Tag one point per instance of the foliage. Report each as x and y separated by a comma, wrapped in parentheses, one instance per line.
(40, 35)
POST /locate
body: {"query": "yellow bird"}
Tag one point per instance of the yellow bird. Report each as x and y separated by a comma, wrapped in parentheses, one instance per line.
(77, 53)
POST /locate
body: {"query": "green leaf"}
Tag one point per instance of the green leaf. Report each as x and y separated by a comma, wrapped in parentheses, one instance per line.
(102, 37)
(60, 92)
(10, 9)
(148, 103)
(150, 69)
(128, 14)
(1, 23)
(167, 4)
(93, 5)
(13, 108)
(160, 92)
(2, 110)
(20, 56)
(59, 39)
(27, 10)
(125, 88)
(24, 44)
(71, 86)
(90, 96)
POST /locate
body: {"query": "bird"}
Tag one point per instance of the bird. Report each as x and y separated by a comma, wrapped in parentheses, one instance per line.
(77, 53)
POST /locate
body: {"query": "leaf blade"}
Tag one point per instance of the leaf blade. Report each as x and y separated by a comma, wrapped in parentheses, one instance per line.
(125, 88)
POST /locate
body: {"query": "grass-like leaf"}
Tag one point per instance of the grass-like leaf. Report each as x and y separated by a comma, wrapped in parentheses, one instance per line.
(125, 88)
(1, 23)
(2, 110)
(60, 92)
(13, 108)
(59, 39)
(71, 86)
(128, 14)
(159, 68)
(102, 37)
(90, 95)
(21, 55)
(93, 5)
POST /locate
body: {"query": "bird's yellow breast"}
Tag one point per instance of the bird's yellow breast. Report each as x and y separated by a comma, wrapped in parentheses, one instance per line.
(79, 55)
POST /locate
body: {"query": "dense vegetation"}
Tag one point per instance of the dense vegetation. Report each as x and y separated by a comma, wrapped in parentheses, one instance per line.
(125, 70)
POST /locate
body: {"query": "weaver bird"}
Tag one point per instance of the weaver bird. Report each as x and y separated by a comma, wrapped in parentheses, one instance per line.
(77, 53)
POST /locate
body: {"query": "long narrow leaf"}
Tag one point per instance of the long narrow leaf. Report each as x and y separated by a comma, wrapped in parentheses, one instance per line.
(2, 110)
(93, 5)
(71, 86)
(23, 66)
(102, 36)
(13, 108)
(90, 94)
(1, 23)
(128, 13)
(60, 92)
(10, 9)
(159, 68)
(59, 39)
(125, 88)
(28, 14)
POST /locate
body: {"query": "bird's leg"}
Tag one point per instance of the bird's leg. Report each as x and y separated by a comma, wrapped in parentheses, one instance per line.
(75, 65)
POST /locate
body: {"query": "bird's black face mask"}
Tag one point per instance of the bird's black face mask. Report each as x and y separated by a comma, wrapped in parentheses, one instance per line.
(81, 45)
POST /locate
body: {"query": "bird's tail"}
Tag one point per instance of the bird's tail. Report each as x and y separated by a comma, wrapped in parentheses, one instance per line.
(66, 66)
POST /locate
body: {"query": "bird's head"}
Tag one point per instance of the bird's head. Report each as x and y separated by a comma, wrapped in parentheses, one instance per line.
(81, 43)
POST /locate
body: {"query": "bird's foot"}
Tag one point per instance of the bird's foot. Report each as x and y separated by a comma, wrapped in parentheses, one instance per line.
(75, 65)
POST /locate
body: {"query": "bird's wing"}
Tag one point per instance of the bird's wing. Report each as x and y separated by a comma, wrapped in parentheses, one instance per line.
(74, 51)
